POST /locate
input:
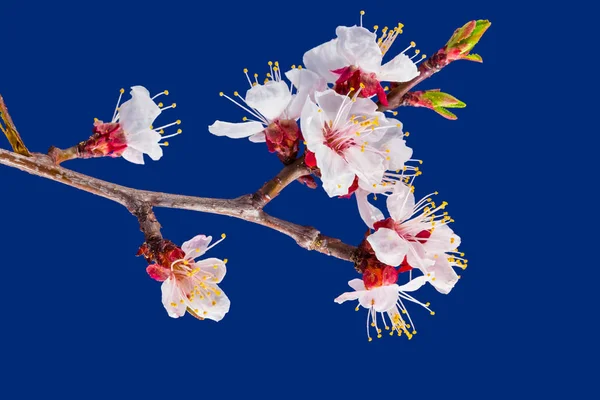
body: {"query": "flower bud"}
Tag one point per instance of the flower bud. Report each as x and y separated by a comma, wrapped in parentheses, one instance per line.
(434, 100)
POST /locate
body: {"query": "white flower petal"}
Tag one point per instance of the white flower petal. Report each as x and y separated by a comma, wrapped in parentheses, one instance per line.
(306, 80)
(413, 285)
(336, 174)
(359, 47)
(357, 284)
(442, 240)
(366, 107)
(172, 298)
(384, 297)
(368, 212)
(399, 153)
(401, 203)
(388, 246)
(331, 104)
(236, 130)
(146, 141)
(306, 83)
(139, 112)
(213, 268)
(258, 138)
(399, 69)
(367, 165)
(445, 276)
(347, 296)
(133, 156)
(196, 246)
(211, 306)
(323, 59)
(270, 99)
(312, 125)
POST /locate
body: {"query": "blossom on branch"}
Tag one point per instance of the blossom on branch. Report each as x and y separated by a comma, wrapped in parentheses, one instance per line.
(416, 235)
(273, 108)
(355, 57)
(379, 293)
(130, 133)
(189, 284)
(352, 144)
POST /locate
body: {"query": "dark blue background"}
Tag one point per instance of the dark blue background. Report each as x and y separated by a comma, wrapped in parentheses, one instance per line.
(81, 317)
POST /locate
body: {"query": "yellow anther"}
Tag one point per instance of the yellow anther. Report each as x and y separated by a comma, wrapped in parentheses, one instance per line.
(173, 304)
(96, 120)
(413, 44)
(214, 303)
(270, 63)
(225, 261)
(362, 85)
(245, 70)
(160, 105)
(166, 144)
(432, 313)
(293, 66)
(122, 91)
(357, 308)
(236, 93)
(223, 236)
(221, 94)
(370, 339)
(245, 119)
(174, 105)
(166, 92)
(277, 63)
(362, 12)
(178, 122)
(375, 27)
(406, 133)
(427, 304)
(256, 75)
(319, 110)
(216, 266)
(205, 312)
(379, 336)
(299, 66)
(417, 51)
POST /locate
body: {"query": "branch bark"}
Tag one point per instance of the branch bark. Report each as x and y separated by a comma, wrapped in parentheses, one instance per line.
(140, 202)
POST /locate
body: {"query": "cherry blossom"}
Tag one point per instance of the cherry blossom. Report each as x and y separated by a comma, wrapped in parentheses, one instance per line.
(379, 293)
(273, 108)
(190, 284)
(355, 57)
(130, 133)
(416, 235)
(349, 139)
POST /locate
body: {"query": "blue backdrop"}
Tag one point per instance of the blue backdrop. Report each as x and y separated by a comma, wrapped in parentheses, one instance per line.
(82, 319)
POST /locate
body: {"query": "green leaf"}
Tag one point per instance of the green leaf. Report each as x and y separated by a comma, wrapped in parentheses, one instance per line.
(445, 113)
(441, 99)
(473, 57)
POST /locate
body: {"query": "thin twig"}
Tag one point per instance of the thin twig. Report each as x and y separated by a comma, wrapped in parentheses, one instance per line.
(10, 130)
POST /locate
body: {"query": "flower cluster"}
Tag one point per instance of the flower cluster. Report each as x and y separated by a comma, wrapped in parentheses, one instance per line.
(332, 105)
(333, 115)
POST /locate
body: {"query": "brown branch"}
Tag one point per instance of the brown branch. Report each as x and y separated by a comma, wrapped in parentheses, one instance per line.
(272, 188)
(396, 96)
(11, 132)
(140, 202)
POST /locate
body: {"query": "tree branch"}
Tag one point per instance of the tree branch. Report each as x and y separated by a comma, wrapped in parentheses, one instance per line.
(140, 202)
